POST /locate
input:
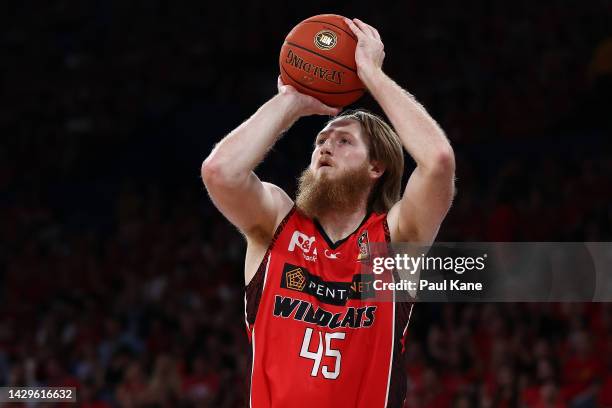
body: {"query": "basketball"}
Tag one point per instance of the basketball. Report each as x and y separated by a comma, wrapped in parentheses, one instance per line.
(318, 59)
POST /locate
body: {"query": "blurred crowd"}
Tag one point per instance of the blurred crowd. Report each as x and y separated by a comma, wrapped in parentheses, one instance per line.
(118, 276)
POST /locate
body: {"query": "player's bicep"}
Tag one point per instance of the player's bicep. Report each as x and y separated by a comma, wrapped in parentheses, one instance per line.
(252, 206)
(426, 200)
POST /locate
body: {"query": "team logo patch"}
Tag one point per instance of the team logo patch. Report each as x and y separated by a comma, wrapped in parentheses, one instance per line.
(363, 243)
(299, 279)
(325, 39)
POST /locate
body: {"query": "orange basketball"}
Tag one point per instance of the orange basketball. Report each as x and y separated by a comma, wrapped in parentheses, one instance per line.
(318, 59)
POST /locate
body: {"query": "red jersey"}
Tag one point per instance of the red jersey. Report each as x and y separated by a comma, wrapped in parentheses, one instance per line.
(318, 338)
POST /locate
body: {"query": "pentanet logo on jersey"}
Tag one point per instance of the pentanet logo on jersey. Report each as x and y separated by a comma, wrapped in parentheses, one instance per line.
(299, 279)
(305, 243)
(295, 279)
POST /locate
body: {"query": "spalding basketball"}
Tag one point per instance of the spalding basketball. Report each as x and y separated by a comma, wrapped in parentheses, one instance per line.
(318, 59)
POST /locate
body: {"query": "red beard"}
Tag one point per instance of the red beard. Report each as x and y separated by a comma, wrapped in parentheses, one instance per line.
(316, 196)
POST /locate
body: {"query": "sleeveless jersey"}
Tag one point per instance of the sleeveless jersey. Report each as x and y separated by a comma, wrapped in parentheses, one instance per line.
(317, 338)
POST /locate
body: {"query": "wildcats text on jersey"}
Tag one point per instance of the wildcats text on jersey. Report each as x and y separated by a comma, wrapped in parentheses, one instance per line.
(301, 310)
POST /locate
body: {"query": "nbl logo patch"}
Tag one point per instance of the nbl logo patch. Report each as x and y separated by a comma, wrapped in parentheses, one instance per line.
(325, 40)
(299, 279)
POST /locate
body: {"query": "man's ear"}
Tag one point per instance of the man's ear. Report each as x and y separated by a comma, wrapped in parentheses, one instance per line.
(376, 169)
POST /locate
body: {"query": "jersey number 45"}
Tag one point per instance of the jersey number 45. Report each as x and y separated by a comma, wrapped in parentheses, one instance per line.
(322, 349)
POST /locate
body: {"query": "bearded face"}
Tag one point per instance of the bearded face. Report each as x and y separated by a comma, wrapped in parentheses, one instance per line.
(321, 193)
(341, 174)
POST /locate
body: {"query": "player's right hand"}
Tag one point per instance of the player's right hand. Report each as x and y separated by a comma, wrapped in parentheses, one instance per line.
(306, 104)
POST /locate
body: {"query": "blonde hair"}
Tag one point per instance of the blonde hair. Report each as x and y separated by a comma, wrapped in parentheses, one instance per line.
(385, 147)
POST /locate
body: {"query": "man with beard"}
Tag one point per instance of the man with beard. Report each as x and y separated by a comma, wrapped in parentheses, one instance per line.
(318, 337)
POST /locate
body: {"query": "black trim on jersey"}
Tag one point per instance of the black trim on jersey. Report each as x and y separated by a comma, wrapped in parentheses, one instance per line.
(386, 229)
(334, 245)
(398, 383)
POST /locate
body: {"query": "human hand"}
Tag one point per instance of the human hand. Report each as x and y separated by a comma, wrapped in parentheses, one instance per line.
(370, 51)
(305, 105)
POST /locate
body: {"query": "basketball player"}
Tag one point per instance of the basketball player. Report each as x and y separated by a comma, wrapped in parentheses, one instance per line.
(316, 342)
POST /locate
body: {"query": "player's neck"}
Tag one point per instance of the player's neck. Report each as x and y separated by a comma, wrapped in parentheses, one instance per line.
(338, 225)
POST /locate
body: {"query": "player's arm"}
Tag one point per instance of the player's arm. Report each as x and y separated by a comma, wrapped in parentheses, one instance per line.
(255, 208)
(430, 188)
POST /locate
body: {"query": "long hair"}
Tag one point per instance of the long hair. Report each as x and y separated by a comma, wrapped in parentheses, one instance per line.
(385, 147)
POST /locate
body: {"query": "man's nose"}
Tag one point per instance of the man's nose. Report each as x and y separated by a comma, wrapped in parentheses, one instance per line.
(326, 147)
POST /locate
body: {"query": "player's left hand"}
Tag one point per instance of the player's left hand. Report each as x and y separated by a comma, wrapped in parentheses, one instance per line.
(370, 51)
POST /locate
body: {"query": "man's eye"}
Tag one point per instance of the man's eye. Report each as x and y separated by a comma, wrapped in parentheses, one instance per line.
(344, 140)
(320, 141)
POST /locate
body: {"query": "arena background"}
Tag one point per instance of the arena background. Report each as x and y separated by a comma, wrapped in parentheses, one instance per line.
(118, 276)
